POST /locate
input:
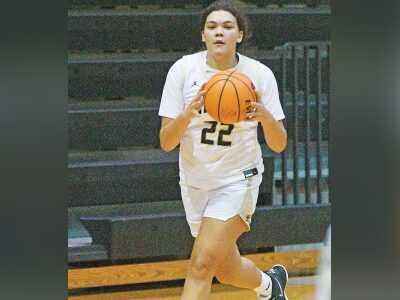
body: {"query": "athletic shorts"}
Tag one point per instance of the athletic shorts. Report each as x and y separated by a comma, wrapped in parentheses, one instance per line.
(237, 198)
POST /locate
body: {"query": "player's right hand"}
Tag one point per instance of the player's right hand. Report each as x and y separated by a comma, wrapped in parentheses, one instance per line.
(195, 106)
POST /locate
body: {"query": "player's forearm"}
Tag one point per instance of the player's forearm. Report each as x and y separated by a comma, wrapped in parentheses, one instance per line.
(172, 132)
(275, 134)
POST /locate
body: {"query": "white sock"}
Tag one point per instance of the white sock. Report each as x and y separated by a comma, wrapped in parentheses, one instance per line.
(265, 287)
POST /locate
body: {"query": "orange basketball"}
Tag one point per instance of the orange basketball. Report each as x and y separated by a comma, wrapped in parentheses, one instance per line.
(228, 96)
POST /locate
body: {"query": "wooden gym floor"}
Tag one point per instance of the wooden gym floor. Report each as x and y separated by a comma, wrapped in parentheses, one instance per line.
(299, 288)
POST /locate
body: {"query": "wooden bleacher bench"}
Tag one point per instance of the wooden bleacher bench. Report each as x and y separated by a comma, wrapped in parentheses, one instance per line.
(296, 262)
(158, 233)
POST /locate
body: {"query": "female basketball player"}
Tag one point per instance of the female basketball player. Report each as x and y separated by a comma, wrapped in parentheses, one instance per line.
(221, 165)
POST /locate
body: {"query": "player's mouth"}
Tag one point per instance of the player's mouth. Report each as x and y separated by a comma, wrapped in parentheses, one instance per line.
(219, 42)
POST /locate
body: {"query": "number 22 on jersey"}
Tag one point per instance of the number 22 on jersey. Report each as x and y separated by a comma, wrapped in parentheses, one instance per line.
(208, 132)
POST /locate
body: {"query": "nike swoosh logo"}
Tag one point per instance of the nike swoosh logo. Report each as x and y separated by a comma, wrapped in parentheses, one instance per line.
(263, 296)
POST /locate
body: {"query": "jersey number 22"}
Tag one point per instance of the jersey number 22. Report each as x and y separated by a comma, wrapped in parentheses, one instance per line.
(221, 134)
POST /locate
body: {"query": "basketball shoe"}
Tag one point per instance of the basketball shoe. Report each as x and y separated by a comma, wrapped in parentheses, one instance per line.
(279, 278)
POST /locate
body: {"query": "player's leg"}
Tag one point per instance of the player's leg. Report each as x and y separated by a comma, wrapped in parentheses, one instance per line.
(214, 240)
(238, 271)
(241, 272)
(215, 248)
(239, 199)
(236, 201)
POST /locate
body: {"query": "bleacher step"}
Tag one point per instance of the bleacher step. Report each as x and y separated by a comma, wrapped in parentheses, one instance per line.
(123, 75)
(129, 176)
(77, 233)
(167, 3)
(137, 233)
(106, 125)
(155, 28)
(87, 253)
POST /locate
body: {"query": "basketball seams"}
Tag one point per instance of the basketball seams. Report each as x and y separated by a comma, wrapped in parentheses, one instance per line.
(250, 89)
(205, 95)
(213, 85)
(222, 91)
(227, 76)
(220, 75)
(226, 91)
(237, 98)
(241, 80)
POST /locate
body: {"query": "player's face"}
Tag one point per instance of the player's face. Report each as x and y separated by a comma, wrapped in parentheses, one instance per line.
(221, 33)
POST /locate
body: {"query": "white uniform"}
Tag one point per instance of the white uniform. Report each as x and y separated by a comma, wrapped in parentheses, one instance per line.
(214, 155)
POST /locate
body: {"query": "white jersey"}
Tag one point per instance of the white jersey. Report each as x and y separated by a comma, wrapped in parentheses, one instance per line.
(214, 154)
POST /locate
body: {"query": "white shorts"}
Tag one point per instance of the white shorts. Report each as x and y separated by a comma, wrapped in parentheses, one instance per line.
(237, 198)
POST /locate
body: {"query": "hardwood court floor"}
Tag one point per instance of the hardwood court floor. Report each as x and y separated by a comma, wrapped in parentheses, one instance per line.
(299, 288)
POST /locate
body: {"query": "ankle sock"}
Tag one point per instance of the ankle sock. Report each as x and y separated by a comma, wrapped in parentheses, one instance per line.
(265, 287)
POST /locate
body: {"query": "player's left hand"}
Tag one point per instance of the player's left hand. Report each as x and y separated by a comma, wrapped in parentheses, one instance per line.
(259, 112)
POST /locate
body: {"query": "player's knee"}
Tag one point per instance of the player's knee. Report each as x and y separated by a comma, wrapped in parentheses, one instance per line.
(203, 265)
(224, 275)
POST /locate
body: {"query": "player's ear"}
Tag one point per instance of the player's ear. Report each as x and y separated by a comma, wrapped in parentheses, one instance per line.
(240, 38)
(203, 38)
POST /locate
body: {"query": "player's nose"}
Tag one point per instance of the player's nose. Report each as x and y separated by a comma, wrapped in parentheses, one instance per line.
(218, 31)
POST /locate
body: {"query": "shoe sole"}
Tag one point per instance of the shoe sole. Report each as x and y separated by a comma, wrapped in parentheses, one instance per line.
(287, 279)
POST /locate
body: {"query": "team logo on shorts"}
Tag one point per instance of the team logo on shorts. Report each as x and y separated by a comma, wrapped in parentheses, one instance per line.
(250, 172)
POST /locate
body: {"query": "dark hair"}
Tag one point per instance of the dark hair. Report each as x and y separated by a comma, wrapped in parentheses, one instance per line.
(236, 9)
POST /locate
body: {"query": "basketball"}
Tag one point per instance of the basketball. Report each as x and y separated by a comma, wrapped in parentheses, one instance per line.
(228, 96)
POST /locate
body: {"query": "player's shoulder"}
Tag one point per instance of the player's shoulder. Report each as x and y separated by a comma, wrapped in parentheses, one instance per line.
(194, 58)
(187, 60)
(252, 63)
(195, 55)
(247, 60)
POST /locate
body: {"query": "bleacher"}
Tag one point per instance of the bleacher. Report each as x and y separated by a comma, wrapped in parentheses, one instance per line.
(124, 197)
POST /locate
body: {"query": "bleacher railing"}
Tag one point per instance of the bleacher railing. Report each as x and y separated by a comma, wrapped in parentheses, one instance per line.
(305, 162)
